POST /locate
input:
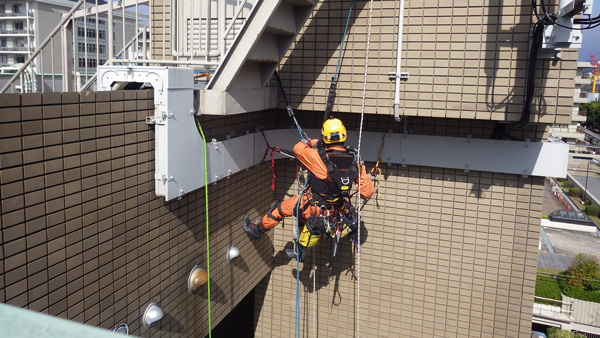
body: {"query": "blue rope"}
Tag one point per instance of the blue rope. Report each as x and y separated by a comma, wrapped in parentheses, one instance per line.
(343, 40)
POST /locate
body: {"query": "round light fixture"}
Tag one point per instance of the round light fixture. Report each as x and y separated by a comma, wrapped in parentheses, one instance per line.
(232, 252)
(122, 329)
(152, 314)
(197, 278)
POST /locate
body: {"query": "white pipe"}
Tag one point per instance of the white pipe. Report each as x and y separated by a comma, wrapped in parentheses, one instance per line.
(398, 61)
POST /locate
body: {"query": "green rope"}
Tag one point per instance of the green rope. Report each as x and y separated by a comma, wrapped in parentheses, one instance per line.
(207, 232)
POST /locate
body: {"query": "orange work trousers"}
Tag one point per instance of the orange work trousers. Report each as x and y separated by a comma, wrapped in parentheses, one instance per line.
(288, 207)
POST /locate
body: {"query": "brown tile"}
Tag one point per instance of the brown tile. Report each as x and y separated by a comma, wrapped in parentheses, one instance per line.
(87, 97)
(31, 113)
(117, 95)
(12, 189)
(32, 127)
(71, 136)
(70, 110)
(34, 155)
(103, 96)
(32, 141)
(13, 232)
(52, 125)
(33, 170)
(10, 160)
(53, 138)
(70, 97)
(50, 112)
(52, 152)
(10, 114)
(11, 145)
(10, 129)
(31, 99)
(11, 175)
(10, 100)
(52, 98)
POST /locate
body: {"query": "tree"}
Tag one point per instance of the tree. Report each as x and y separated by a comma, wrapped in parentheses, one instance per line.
(586, 272)
(554, 332)
(593, 114)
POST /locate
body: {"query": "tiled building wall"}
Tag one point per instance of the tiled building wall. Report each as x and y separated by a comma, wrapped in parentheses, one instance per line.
(464, 59)
(83, 235)
(446, 254)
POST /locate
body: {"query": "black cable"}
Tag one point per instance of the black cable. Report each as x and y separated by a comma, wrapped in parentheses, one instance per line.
(538, 31)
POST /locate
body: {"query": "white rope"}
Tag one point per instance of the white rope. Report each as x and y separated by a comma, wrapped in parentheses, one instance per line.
(362, 113)
(314, 285)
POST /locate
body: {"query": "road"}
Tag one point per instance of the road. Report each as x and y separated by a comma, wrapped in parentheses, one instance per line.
(579, 169)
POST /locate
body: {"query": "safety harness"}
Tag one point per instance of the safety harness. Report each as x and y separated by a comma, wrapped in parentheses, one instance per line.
(342, 169)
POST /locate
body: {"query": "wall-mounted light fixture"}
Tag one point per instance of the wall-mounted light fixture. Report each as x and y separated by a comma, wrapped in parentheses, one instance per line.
(122, 328)
(197, 278)
(232, 252)
(152, 315)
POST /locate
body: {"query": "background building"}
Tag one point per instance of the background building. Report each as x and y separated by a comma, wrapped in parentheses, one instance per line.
(25, 24)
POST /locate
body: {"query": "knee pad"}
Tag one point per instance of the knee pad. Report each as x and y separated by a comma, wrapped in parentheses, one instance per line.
(276, 205)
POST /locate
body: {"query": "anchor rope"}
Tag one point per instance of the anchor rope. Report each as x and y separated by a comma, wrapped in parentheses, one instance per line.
(206, 219)
(362, 113)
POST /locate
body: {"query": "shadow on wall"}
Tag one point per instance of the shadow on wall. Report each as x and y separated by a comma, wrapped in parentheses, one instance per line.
(514, 40)
(311, 42)
(320, 258)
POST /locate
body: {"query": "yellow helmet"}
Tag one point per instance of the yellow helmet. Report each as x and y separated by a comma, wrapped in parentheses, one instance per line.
(333, 131)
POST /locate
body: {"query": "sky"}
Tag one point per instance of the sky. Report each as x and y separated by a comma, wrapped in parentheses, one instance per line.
(591, 38)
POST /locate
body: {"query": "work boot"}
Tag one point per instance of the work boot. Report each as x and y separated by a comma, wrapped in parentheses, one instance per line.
(292, 254)
(254, 230)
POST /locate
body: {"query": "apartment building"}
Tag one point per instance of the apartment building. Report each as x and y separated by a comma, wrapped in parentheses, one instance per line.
(583, 83)
(25, 24)
(108, 199)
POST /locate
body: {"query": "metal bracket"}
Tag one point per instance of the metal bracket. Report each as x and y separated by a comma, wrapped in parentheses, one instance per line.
(150, 120)
(401, 75)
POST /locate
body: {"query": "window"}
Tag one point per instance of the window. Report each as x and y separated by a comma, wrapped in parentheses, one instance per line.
(18, 8)
(2, 25)
(20, 42)
(3, 59)
(80, 31)
(3, 42)
(20, 58)
(18, 25)
(2, 9)
(81, 47)
(101, 34)
(101, 49)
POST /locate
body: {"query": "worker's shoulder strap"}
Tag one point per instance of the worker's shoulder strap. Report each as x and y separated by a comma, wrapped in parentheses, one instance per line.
(329, 164)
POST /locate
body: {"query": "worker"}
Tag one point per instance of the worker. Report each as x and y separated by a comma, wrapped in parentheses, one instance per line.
(332, 170)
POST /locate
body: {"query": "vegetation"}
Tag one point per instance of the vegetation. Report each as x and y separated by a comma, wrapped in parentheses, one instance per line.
(546, 286)
(592, 210)
(544, 216)
(581, 280)
(593, 115)
(574, 192)
(554, 332)
(567, 184)
(586, 270)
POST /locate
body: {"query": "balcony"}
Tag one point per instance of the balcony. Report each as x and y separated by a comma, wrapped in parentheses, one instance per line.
(580, 80)
(16, 32)
(16, 15)
(14, 49)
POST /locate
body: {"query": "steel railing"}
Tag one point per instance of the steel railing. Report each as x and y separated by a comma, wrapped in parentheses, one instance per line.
(201, 33)
(557, 308)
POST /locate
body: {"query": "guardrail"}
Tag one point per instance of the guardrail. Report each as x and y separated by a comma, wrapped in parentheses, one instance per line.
(206, 34)
(564, 309)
